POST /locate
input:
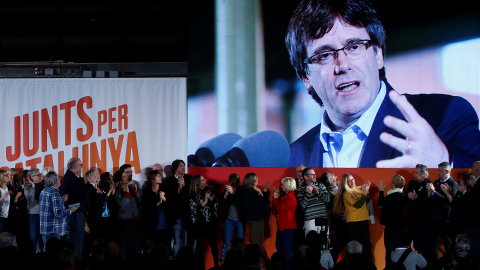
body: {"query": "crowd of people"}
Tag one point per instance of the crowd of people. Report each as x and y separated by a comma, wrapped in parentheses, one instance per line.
(105, 221)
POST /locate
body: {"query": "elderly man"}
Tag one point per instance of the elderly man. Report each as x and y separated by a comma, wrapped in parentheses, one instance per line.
(52, 209)
(74, 186)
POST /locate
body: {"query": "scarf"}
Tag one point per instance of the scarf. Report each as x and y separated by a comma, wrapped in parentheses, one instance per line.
(393, 190)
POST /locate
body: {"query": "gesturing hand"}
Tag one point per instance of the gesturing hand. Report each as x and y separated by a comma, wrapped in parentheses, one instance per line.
(421, 145)
(381, 186)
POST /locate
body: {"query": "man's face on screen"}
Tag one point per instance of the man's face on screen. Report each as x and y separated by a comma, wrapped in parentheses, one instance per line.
(346, 86)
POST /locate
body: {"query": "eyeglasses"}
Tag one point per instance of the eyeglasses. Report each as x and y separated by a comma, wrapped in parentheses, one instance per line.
(351, 180)
(353, 50)
(128, 172)
(311, 174)
(38, 174)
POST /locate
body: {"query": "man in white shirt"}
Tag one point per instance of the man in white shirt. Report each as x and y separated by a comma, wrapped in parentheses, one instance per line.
(337, 49)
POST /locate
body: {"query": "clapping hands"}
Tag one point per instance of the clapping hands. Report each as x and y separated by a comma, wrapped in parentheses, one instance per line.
(366, 188)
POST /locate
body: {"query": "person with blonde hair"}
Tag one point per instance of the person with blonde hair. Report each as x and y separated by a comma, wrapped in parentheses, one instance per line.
(255, 203)
(352, 201)
(285, 208)
(392, 217)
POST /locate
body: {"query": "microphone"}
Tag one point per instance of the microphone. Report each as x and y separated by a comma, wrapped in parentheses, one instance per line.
(266, 148)
(212, 148)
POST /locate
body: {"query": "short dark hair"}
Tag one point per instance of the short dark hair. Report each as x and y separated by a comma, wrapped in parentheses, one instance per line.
(104, 183)
(117, 176)
(124, 167)
(314, 18)
(305, 171)
(176, 164)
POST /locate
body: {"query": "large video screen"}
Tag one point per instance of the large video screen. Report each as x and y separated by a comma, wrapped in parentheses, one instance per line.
(248, 108)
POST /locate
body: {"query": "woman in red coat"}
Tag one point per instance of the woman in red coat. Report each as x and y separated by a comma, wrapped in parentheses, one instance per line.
(285, 209)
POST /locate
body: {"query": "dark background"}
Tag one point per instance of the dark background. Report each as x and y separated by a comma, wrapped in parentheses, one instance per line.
(183, 31)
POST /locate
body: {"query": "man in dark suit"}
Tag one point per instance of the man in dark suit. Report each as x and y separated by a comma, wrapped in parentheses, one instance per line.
(177, 207)
(337, 49)
(418, 211)
(441, 211)
(74, 186)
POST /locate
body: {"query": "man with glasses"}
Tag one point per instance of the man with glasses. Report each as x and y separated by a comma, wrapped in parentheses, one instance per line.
(313, 197)
(337, 49)
(73, 186)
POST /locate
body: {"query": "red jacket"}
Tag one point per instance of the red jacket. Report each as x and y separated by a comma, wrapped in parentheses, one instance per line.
(285, 209)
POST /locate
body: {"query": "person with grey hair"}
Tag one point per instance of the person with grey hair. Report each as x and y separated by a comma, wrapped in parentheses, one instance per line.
(46, 170)
(52, 209)
(78, 191)
(418, 217)
(354, 258)
(33, 186)
(441, 211)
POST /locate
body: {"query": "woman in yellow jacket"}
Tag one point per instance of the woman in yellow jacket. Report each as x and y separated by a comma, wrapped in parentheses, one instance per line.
(352, 201)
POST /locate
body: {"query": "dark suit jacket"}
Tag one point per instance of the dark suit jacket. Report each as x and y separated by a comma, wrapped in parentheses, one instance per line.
(419, 210)
(77, 191)
(177, 204)
(452, 118)
(441, 208)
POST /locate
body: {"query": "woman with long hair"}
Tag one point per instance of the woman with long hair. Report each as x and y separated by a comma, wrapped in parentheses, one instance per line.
(234, 213)
(352, 201)
(203, 216)
(153, 207)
